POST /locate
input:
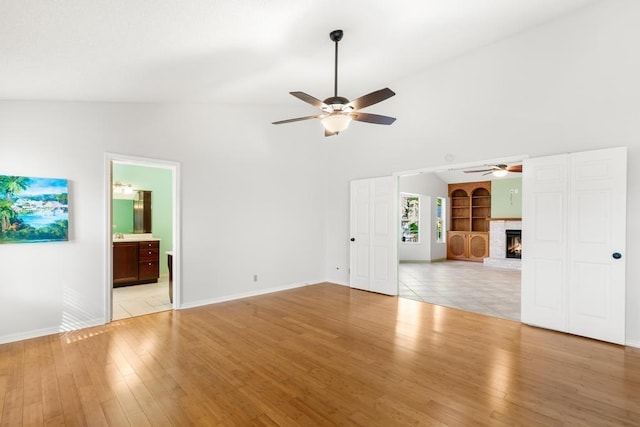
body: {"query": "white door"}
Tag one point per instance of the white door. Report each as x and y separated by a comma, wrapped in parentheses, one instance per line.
(573, 266)
(373, 237)
(544, 242)
(359, 253)
(597, 230)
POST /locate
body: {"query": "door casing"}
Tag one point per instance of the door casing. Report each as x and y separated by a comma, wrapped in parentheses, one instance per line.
(110, 158)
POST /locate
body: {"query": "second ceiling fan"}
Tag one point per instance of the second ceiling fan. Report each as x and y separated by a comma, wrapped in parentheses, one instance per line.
(337, 111)
(498, 170)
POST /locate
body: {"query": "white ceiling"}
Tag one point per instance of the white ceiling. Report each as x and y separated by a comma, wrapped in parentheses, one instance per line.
(243, 51)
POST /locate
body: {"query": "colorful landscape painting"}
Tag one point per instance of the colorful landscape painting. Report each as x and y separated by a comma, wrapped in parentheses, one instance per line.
(33, 209)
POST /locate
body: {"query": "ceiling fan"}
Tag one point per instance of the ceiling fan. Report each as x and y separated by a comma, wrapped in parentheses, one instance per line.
(498, 170)
(337, 111)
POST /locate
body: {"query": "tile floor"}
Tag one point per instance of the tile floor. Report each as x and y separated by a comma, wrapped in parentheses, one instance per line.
(469, 286)
(136, 300)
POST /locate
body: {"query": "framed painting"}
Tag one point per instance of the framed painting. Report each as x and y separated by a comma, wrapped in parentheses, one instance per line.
(33, 209)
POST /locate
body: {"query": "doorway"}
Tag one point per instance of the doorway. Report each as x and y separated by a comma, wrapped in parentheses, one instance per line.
(142, 208)
(428, 275)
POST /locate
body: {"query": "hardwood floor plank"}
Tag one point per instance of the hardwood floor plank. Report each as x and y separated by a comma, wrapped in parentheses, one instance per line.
(318, 355)
(14, 394)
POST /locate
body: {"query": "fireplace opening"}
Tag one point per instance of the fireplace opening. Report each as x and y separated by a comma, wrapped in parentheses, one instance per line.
(514, 244)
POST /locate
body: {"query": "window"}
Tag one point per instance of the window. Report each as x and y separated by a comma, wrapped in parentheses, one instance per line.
(409, 218)
(440, 218)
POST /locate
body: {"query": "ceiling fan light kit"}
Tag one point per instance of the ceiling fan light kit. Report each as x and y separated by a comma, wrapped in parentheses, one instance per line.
(336, 122)
(337, 111)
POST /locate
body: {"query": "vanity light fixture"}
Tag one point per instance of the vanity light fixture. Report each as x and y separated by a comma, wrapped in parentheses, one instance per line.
(120, 188)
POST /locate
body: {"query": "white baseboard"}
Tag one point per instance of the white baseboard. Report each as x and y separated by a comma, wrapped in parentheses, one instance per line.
(633, 343)
(245, 295)
(36, 333)
(341, 284)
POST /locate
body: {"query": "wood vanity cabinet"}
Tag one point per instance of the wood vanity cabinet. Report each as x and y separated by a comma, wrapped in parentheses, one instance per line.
(135, 263)
(468, 238)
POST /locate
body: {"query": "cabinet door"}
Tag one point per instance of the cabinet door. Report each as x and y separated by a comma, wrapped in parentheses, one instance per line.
(457, 247)
(478, 246)
(148, 270)
(125, 263)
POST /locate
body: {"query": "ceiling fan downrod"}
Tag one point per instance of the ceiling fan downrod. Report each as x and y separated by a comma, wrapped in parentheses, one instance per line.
(336, 36)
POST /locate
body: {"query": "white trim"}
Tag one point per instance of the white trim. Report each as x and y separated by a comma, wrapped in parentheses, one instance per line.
(246, 295)
(457, 166)
(37, 333)
(108, 237)
(632, 343)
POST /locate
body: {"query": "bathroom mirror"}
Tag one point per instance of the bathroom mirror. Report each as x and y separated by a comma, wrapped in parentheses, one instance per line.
(132, 213)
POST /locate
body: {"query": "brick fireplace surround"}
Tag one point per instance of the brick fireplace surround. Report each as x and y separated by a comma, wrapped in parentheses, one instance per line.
(498, 242)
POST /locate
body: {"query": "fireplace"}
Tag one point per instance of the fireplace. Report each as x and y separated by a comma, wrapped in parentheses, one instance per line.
(514, 244)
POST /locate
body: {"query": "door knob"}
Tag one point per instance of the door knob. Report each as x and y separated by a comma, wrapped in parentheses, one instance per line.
(353, 239)
(616, 255)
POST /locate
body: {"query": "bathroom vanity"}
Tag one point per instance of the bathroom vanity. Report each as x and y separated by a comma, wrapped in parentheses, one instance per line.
(136, 260)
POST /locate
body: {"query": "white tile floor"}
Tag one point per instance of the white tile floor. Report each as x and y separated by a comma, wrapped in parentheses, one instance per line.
(136, 300)
(469, 286)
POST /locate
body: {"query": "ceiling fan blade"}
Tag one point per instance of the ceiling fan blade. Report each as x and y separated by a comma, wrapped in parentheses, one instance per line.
(515, 168)
(371, 98)
(298, 119)
(372, 118)
(309, 99)
(480, 170)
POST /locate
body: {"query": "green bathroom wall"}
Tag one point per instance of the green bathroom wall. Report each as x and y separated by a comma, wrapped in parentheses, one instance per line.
(159, 182)
(122, 216)
(506, 198)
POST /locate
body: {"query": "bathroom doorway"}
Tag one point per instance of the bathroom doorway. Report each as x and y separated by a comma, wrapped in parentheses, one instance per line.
(143, 237)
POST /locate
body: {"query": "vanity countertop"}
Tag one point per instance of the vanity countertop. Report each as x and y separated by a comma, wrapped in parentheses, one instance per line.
(145, 237)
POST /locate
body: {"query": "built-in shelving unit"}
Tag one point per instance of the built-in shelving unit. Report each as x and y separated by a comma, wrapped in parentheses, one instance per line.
(468, 238)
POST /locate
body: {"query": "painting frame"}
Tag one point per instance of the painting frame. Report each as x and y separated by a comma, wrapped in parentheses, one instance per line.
(33, 209)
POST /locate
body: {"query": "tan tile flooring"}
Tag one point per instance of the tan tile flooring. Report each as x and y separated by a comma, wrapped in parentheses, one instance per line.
(468, 286)
(136, 300)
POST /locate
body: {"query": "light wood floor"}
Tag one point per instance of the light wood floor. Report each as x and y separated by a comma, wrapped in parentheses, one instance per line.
(318, 355)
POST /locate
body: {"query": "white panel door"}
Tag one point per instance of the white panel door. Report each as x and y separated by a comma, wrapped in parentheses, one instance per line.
(373, 237)
(383, 240)
(574, 227)
(597, 232)
(359, 258)
(544, 235)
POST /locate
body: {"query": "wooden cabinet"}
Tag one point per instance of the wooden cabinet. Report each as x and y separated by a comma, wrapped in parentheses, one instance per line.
(135, 263)
(467, 246)
(468, 238)
(125, 263)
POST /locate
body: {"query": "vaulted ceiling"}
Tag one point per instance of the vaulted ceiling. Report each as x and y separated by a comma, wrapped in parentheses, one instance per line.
(240, 52)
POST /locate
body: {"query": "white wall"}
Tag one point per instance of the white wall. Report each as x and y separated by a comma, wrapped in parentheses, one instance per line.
(252, 203)
(571, 85)
(429, 187)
